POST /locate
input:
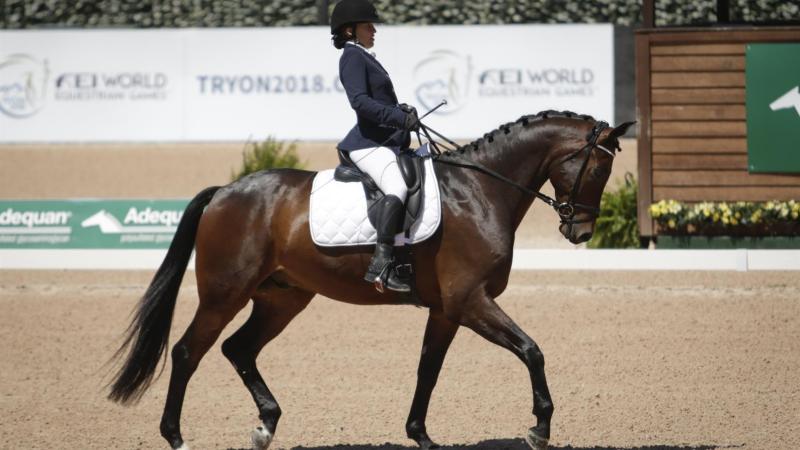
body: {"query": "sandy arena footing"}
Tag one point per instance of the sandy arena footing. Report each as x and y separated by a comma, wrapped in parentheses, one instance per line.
(635, 360)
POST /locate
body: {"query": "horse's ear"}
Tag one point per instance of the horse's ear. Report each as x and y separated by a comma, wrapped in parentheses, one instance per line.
(620, 130)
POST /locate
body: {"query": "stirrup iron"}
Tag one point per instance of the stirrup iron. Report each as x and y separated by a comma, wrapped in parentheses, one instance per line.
(379, 284)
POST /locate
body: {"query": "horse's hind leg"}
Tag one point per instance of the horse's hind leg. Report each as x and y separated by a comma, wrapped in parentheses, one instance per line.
(272, 311)
(208, 322)
(439, 333)
(486, 318)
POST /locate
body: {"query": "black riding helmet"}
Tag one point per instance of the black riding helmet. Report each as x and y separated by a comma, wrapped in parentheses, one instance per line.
(353, 11)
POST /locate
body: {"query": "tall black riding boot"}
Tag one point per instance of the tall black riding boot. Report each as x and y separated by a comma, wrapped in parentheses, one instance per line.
(381, 268)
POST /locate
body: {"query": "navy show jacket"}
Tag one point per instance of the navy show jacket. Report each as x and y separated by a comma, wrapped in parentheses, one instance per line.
(371, 94)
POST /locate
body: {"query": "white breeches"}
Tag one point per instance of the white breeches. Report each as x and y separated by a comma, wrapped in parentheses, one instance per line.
(380, 163)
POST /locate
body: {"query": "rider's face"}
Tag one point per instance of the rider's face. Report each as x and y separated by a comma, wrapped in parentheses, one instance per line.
(365, 34)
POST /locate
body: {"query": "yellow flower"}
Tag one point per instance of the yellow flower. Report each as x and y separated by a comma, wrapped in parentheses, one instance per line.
(671, 223)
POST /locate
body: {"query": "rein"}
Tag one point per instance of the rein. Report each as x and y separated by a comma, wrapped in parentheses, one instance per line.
(565, 210)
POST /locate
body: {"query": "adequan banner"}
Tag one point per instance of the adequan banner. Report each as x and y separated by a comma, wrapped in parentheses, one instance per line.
(89, 224)
(235, 84)
(773, 107)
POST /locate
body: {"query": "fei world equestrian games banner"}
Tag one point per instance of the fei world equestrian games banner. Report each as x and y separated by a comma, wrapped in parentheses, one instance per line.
(235, 84)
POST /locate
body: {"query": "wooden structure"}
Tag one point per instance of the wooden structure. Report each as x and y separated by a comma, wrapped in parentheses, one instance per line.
(690, 90)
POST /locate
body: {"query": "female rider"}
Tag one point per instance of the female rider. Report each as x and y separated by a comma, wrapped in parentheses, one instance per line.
(382, 128)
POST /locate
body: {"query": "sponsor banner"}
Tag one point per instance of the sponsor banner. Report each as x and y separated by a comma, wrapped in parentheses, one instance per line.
(89, 224)
(90, 86)
(772, 75)
(235, 84)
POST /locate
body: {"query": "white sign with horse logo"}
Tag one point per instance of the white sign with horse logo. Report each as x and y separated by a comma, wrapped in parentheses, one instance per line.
(235, 84)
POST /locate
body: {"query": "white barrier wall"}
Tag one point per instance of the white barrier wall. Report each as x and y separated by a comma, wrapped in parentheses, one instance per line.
(234, 84)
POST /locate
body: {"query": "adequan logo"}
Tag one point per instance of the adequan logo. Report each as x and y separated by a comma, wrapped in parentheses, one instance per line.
(790, 99)
(443, 75)
(23, 85)
(147, 220)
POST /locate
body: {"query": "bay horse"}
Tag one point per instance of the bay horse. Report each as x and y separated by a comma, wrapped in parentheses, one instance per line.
(253, 243)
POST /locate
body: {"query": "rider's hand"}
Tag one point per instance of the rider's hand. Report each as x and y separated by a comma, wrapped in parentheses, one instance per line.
(412, 121)
(406, 108)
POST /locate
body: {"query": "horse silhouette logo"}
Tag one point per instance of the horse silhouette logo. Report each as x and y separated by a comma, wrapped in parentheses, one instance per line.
(23, 84)
(790, 99)
(108, 223)
(111, 225)
(443, 75)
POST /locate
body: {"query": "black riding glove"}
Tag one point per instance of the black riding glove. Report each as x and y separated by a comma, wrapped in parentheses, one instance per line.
(412, 121)
(406, 108)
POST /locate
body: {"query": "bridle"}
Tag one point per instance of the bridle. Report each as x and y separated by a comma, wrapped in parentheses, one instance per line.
(565, 210)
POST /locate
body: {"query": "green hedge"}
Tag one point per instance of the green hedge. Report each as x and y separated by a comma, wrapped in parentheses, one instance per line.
(158, 13)
(16, 14)
(616, 226)
(268, 154)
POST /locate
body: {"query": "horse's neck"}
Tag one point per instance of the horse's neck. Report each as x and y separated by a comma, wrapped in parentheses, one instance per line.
(522, 159)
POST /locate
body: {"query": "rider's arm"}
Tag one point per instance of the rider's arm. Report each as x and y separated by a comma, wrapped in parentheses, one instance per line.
(353, 74)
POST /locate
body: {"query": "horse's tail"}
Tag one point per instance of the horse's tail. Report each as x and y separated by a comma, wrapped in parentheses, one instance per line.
(148, 334)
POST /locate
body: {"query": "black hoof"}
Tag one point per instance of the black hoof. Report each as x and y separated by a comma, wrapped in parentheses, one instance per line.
(428, 445)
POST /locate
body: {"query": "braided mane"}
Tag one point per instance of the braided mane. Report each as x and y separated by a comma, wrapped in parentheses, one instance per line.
(524, 121)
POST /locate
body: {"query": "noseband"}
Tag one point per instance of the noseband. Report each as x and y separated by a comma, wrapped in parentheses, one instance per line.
(565, 210)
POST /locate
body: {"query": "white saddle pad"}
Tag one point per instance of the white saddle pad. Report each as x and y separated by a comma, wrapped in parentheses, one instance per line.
(338, 211)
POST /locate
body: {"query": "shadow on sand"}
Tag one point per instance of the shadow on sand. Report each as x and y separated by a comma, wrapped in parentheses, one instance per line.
(503, 444)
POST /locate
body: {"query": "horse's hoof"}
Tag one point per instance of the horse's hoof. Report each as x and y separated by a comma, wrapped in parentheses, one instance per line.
(261, 438)
(183, 447)
(428, 445)
(535, 441)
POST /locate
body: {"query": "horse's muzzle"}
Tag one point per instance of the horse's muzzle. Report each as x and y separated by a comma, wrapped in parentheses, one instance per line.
(577, 233)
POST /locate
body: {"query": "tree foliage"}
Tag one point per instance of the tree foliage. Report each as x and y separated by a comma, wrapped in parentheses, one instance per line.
(16, 14)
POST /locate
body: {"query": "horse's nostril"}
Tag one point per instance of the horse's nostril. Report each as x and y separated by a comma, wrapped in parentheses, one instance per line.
(584, 237)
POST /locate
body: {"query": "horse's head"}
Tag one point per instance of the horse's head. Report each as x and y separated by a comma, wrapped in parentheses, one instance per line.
(579, 173)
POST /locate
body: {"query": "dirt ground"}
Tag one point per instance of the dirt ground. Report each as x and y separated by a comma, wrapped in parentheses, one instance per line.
(642, 360)
(180, 170)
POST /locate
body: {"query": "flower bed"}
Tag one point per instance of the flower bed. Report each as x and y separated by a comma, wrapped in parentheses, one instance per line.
(737, 219)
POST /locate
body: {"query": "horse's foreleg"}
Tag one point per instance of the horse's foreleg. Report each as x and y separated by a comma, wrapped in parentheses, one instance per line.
(486, 318)
(439, 334)
(272, 312)
(186, 355)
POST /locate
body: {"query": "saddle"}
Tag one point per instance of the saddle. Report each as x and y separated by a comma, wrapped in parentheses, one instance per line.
(412, 167)
(339, 212)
